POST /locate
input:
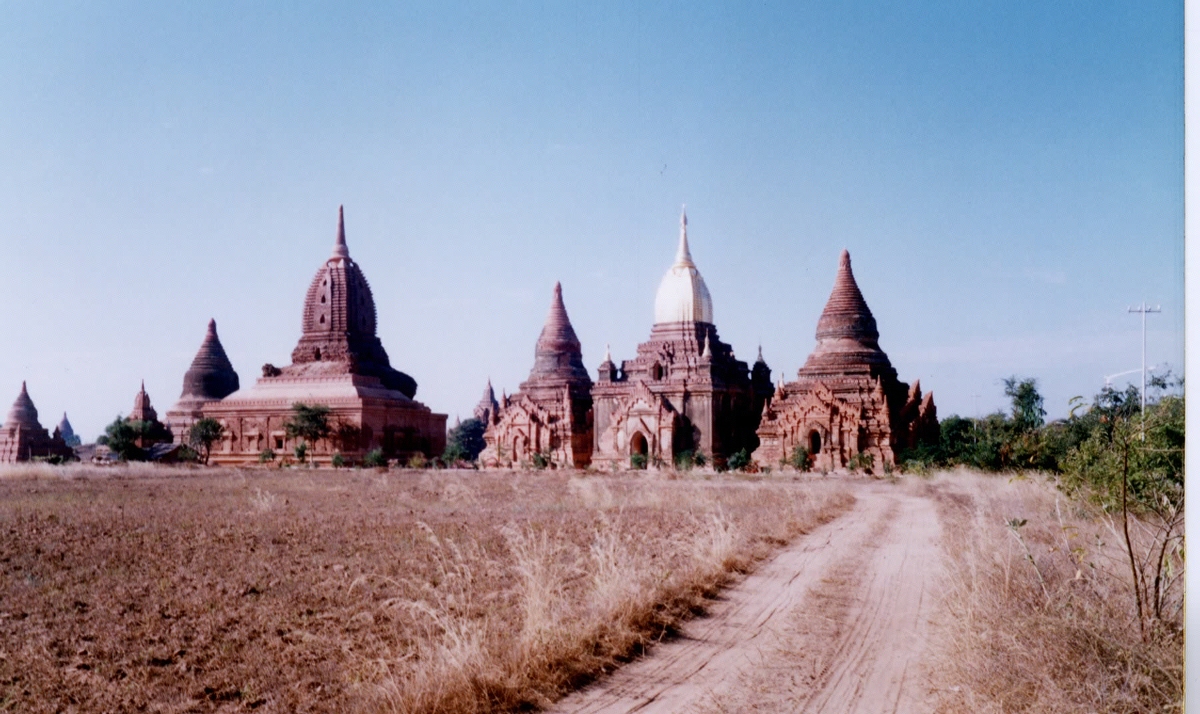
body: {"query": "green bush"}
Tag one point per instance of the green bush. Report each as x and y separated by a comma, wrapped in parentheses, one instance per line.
(862, 461)
(337, 461)
(800, 459)
(374, 459)
(540, 460)
(301, 452)
(739, 461)
(417, 461)
(637, 461)
(266, 456)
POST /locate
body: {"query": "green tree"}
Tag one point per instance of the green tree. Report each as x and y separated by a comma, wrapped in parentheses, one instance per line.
(1027, 403)
(308, 423)
(122, 439)
(203, 434)
(465, 441)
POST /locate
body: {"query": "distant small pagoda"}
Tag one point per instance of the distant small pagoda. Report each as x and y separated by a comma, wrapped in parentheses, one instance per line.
(23, 438)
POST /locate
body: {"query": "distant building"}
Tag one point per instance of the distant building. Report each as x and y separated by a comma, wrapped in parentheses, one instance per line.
(67, 433)
(211, 378)
(685, 390)
(487, 405)
(338, 363)
(847, 399)
(551, 412)
(22, 438)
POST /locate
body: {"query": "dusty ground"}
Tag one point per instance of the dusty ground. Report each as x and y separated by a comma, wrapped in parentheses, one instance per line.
(839, 622)
(222, 590)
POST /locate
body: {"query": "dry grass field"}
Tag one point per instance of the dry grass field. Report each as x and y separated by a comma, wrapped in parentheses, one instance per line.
(147, 589)
(1038, 612)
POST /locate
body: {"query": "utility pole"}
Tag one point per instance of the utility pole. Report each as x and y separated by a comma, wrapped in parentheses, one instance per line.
(1144, 310)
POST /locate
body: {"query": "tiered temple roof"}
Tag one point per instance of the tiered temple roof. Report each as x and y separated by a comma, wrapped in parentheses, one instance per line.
(550, 413)
(847, 399)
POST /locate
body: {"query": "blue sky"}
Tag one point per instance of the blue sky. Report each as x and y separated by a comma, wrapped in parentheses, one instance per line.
(1008, 178)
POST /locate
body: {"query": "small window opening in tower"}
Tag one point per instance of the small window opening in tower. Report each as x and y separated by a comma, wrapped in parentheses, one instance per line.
(322, 299)
(322, 319)
(317, 354)
(656, 371)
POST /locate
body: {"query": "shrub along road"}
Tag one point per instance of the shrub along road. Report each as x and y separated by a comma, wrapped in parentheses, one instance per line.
(837, 622)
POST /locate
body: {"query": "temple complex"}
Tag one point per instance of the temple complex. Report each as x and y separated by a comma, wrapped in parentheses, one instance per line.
(211, 378)
(550, 414)
(685, 390)
(847, 399)
(340, 363)
(142, 410)
(23, 438)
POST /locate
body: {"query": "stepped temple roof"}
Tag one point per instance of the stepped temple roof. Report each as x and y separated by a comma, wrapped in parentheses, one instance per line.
(682, 295)
(23, 413)
(338, 324)
(487, 405)
(846, 331)
(558, 354)
(211, 375)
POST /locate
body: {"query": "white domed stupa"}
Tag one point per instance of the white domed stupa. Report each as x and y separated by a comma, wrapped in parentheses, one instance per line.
(682, 295)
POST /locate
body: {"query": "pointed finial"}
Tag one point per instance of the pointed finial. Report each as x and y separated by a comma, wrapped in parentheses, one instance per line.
(707, 353)
(844, 261)
(760, 357)
(340, 250)
(143, 385)
(607, 353)
(683, 257)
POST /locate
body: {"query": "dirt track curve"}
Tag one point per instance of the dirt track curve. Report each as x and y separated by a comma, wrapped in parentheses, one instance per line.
(837, 622)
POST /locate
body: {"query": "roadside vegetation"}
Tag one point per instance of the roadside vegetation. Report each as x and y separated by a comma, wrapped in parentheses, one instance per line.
(137, 587)
(1069, 582)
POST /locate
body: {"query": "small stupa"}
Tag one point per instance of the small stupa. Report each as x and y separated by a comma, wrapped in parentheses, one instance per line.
(211, 378)
(549, 413)
(23, 438)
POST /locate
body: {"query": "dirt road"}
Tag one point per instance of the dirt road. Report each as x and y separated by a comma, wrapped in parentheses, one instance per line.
(837, 622)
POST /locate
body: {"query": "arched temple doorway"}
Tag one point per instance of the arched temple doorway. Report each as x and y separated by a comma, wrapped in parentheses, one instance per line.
(814, 442)
(638, 444)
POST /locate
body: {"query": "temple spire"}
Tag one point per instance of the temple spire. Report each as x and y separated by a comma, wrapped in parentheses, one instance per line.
(707, 353)
(683, 256)
(340, 249)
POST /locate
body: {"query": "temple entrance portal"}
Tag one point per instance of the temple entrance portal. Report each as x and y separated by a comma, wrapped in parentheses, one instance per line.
(814, 443)
(639, 445)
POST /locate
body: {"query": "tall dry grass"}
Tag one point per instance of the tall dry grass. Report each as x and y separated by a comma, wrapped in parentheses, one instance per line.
(212, 589)
(587, 605)
(1041, 615)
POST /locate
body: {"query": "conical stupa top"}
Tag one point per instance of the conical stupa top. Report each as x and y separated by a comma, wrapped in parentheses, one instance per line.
(846, 315)
(682, 295)
(340, 249)
(211, 375)
(23, 413)
(607, 354)
(760, 359)
(558, 352)
(683, 256)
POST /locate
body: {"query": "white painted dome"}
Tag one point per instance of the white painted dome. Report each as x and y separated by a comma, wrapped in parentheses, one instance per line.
(682, 294)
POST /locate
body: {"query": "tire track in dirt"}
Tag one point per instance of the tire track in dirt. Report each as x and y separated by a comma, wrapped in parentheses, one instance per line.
(837, 622)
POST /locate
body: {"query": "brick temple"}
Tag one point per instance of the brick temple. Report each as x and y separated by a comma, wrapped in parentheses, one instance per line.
(685, 390)
(847, 399)
(551, 412)
(339, 362)
(23, 438)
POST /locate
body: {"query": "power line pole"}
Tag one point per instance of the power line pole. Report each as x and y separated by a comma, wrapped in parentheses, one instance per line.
(1144, 310)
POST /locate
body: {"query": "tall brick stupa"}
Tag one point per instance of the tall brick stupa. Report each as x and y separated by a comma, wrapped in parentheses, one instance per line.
(847, 398)
(339, 362)
(551, 412)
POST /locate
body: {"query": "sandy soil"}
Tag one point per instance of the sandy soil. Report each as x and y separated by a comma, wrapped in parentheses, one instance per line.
(837, 622)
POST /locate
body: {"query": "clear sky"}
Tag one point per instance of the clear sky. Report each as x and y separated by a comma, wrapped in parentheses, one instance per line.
(1008, 178)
